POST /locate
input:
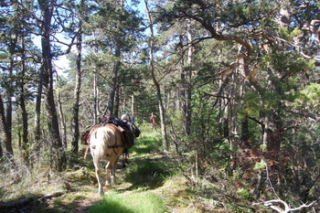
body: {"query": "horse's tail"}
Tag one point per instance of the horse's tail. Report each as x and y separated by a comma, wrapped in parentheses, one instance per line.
(99, 140)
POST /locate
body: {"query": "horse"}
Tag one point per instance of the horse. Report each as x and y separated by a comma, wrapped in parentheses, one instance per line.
(106, 143)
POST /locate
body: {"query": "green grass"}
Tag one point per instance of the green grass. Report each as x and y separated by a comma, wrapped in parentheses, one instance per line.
(136, 202)
(147, 173)
(147, 143)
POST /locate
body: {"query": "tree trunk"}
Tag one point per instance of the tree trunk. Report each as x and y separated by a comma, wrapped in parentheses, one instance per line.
(36, 126)
(25, 142)
(76, 94)
(62, 122)
(58, 153)
(165, 141)
(95, 96)
(133, 112)
(114, 82)
(1, 151)
(6, 131)
(8, 117)
(188, 76)
(117, 101)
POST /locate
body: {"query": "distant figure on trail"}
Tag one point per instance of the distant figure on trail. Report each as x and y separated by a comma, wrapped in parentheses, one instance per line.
(153, 120)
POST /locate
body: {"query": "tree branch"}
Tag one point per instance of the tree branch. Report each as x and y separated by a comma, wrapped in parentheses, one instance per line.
(273, 205)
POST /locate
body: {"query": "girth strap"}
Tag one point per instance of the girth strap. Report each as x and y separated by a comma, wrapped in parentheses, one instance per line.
(114, 146)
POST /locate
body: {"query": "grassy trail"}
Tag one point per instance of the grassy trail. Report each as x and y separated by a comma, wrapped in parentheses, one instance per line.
(150, 183)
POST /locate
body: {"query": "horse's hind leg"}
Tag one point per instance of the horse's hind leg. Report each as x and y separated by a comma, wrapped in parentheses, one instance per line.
(98, 171)
(109, 179)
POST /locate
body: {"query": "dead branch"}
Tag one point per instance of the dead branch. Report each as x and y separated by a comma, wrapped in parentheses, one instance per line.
(274, 204)
(27, 200)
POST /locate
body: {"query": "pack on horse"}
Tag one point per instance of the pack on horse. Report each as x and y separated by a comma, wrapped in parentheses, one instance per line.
(106, 141)
(126, 118)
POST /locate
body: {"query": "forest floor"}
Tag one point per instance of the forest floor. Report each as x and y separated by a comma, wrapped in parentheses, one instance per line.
(75, 191)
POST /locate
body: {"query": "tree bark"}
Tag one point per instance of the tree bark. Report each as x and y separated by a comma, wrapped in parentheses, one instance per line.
(77, 91)
(36, 126)
(4, 126)
(58, 153)
(114, 82)
(165, 141)
(8, 114)
(188, 109)
(62, 122)
(24, 112)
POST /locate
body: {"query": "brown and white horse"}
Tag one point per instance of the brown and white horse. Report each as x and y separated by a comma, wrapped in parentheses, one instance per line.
(106, 143)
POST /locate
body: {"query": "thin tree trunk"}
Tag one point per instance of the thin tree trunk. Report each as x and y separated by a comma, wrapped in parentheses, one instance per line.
(58, 152)
(25, 142)
(8, 117)
(4, 126)
(76, 94)
(165, 141)
(95, 96)
(114, 82)
(133, 112)
(1, 151)
(188, 111)
(62, 121)
(37, 128)
(117, 101)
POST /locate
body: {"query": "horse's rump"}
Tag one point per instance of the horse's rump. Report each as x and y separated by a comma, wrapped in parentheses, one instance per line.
(107, 134)
(86, 134)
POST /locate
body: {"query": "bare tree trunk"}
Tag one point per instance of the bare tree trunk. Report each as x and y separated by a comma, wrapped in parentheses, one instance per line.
(188, 88)
(114, 83)
(1, 151)
(133, 112)
(25, 141)
(95, 97)
(117, 101)
(4, 126)
(37, 129)
(62, 121)
(165, 141)
(76, 94)
(58, 153)
(8, 117)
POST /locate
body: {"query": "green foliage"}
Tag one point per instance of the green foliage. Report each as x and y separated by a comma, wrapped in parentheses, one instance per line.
(244, 193)
(136, 202)
(260, 166)
(308, 97)
(251, 103)
(288, 63)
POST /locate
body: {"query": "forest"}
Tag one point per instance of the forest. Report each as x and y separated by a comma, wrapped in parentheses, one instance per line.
(235, 85)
